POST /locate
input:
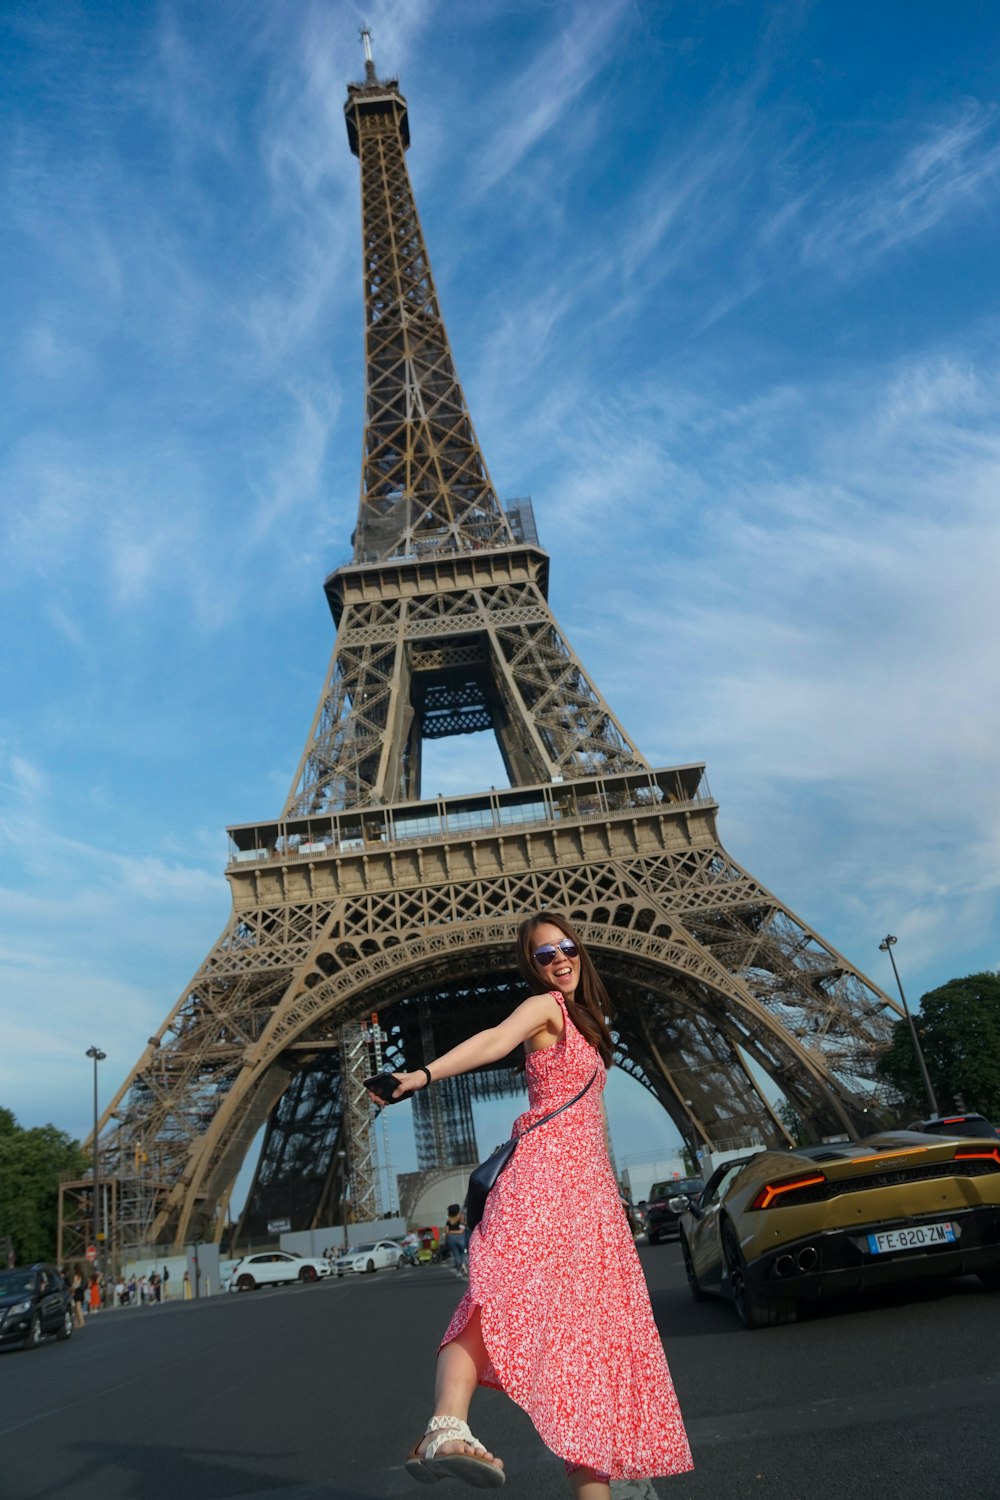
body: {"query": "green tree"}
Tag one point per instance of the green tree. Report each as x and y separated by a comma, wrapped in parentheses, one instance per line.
(801, 1133)
(959, 1030)
(32, 1163)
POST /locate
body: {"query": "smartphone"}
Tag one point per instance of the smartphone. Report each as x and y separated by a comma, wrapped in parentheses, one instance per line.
(384, 1085)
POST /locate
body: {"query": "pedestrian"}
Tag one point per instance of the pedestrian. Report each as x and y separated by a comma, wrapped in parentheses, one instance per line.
(165, 1280)
(561, 1322)
(95, 1295)
(77, 1289)
(121, 1295)
(454, 1238)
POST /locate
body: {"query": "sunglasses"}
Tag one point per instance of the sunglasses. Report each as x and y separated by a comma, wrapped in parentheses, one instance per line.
(547, 954)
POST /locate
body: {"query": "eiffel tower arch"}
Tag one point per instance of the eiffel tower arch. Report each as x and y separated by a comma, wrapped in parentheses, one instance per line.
(362, 900)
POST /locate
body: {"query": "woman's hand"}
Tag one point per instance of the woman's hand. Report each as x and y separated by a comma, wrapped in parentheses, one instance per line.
(408, 1084)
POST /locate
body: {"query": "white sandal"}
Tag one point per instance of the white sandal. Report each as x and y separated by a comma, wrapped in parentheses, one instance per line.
(428, 1468)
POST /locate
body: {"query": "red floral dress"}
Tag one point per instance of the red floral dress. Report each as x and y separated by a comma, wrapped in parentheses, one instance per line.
(564, 1309)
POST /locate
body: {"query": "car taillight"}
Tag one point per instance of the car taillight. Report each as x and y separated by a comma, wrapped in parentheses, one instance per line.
(770, 1195)
(968, 1153)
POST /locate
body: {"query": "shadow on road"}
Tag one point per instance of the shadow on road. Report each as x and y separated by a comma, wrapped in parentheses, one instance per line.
(151, 1471)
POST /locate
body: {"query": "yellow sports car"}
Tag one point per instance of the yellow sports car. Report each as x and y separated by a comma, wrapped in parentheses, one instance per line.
(780, 1226)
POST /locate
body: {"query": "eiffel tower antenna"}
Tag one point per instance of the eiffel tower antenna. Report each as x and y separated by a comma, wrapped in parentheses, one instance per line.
(365, 896)
(366, 42)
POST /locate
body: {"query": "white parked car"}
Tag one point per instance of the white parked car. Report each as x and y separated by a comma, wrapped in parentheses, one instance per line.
(270, 1267)
(375, 1256)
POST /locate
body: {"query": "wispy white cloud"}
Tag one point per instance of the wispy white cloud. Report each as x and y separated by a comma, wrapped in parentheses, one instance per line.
(69, 911)
(946, 172)
(539, 97)
(21, 777)
(929, 397)
(293, 467)
(55, 859)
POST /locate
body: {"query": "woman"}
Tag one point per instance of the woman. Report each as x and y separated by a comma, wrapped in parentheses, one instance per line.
(454, 1237)
(76, 1287)
(569, 1334)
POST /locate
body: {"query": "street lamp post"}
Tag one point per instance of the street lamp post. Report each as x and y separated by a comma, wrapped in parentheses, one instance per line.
(98, 1057)
(345, 1179)
(886, 946)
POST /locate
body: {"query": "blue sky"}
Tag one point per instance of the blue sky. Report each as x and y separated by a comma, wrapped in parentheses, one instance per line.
(721, 283)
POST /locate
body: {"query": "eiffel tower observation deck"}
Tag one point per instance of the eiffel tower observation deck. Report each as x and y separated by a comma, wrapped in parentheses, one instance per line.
(362, 897)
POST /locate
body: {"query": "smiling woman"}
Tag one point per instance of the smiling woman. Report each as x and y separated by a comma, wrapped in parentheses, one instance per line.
(546, 1319)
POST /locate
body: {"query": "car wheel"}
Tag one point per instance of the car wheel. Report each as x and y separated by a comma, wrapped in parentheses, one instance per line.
(370, 1267)
(753, 1310)
(33, 1337)
(308, 1273)
(991, 1279)
(245, 1283)
(691, 1273)
(651, 1238)
(65, 1327)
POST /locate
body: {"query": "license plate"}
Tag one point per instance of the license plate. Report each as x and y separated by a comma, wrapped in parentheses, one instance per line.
(917, 1237)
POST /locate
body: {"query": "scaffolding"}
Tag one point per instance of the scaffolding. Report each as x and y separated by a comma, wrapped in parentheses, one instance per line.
(361, 1205)
(387, 1185)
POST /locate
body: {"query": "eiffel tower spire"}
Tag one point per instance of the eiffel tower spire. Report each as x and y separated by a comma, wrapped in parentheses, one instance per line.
(424, 482)
(360, 897)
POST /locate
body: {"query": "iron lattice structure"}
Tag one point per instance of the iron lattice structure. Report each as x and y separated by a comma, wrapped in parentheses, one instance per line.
(362, 897)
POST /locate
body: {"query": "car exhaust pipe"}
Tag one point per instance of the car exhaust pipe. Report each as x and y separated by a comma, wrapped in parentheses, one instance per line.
(808, 1258)
(784, 1266)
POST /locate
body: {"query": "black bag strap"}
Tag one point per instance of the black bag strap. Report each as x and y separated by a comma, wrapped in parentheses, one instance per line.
(569, 1102)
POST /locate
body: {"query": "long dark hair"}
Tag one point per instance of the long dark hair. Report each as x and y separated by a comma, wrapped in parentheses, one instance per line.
(590, 1008)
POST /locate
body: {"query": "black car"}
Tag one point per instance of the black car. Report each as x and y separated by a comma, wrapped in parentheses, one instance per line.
(976, 1126)
(34, 1302)
(662, 1223)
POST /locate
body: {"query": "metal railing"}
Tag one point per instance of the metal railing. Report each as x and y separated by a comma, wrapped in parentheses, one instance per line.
(449, 818)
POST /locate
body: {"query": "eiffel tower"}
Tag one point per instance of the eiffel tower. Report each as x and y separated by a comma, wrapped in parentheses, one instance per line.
(361, 900)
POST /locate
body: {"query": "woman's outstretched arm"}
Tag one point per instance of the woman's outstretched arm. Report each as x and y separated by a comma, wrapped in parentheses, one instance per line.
(531, 1017)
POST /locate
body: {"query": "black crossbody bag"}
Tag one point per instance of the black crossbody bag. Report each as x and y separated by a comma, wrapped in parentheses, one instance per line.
(483, 1179)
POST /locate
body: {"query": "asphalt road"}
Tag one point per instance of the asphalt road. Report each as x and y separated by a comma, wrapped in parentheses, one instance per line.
(317, 1393)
